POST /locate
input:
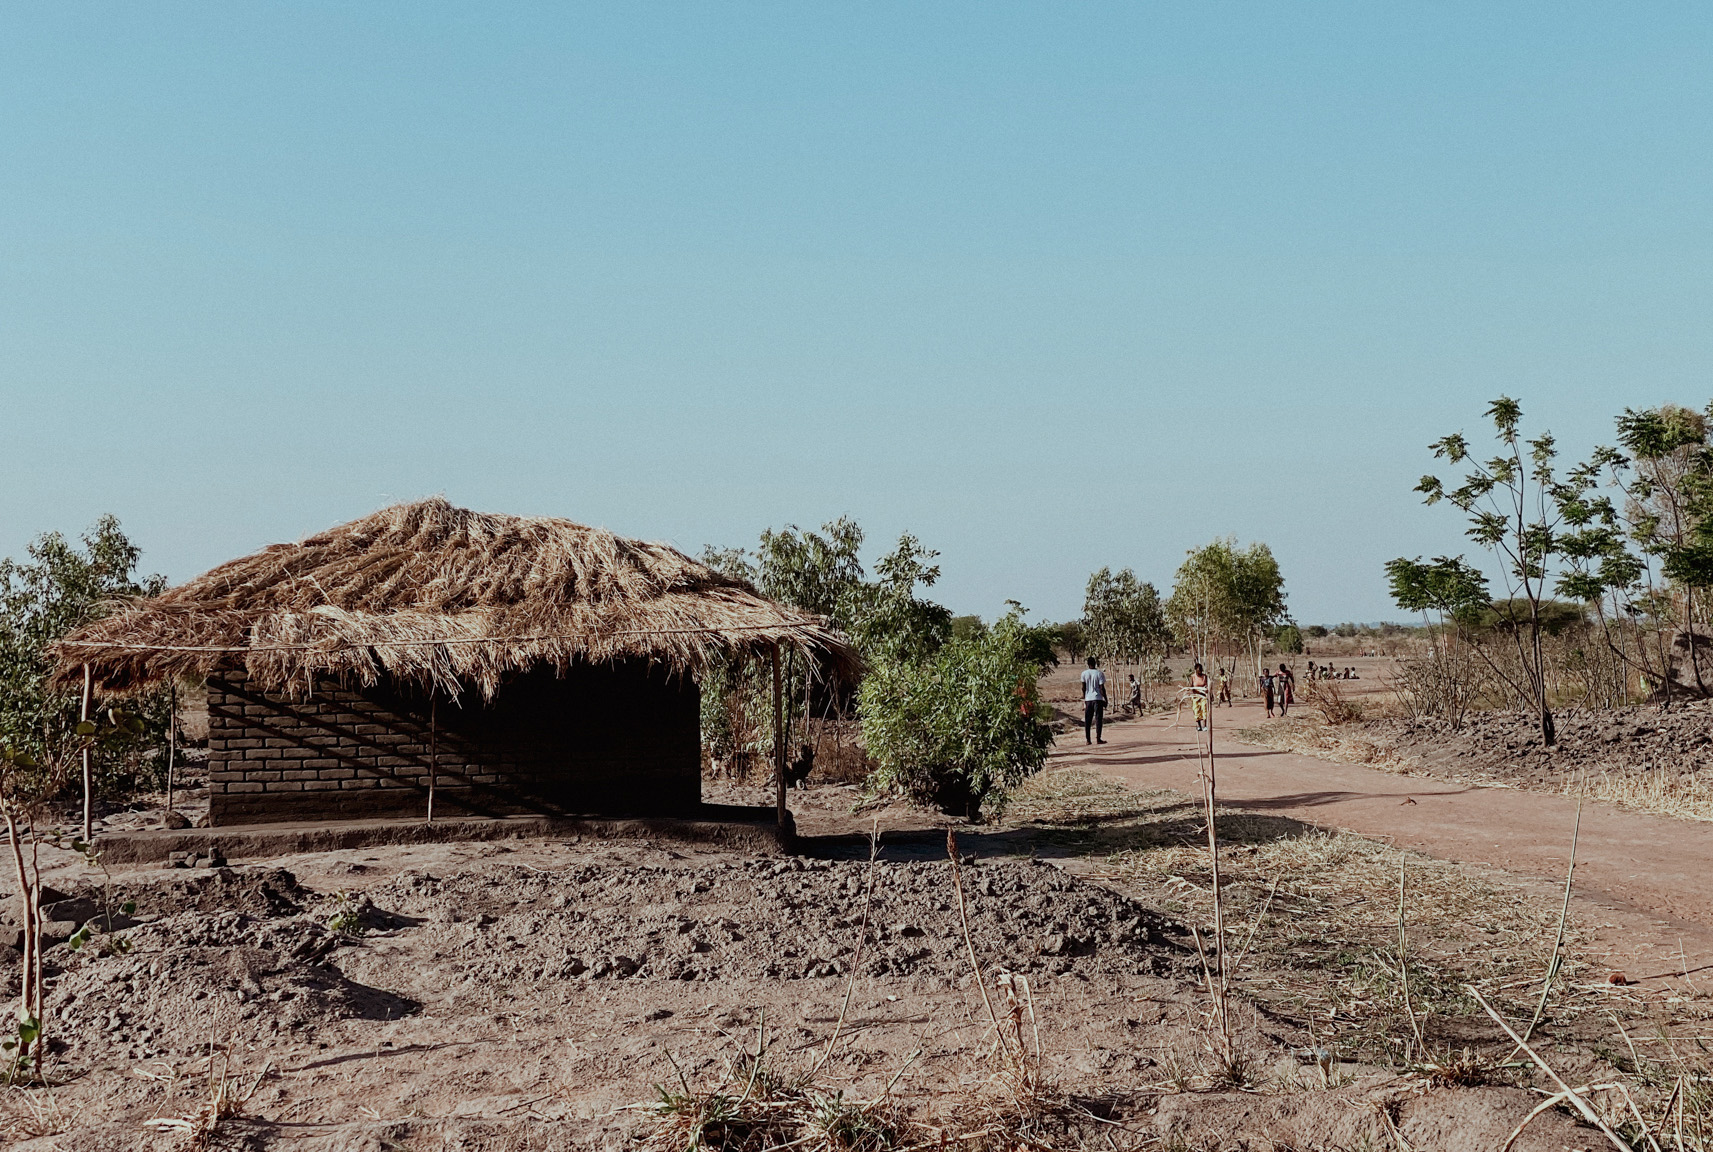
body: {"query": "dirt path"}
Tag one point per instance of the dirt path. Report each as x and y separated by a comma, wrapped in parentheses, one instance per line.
(1645, 883)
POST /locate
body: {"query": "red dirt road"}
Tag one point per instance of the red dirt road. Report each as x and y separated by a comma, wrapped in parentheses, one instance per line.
(1642, 882)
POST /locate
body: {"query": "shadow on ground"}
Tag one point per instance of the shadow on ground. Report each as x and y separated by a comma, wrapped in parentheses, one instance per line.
(1178, 822)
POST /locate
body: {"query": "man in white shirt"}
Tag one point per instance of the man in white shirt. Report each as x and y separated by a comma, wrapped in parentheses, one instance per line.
(1094, 702)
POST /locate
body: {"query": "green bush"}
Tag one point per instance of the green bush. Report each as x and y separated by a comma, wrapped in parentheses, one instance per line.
(57, 588)
(963, 724)
(1289, 640)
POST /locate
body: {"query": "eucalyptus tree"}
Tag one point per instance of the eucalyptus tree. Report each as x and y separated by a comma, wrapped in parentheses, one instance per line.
(1227, 599)
(1124, 618)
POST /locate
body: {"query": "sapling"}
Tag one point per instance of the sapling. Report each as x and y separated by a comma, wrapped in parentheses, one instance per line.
(24, 783)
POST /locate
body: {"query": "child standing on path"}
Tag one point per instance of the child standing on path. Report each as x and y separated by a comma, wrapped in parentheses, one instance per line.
(1267, 689)
(1094, 702)
(1198, 693)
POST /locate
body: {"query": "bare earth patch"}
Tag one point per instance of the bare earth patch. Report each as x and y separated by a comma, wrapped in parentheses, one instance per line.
(600, 995)
(1638, 757)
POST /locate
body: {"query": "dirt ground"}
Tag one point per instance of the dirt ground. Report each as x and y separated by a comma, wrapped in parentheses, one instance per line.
(1506, 747)
(553, 993)
(540, 994)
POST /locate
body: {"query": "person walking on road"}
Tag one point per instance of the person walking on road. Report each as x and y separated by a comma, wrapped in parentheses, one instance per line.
(1224, 687)
(1094, 703)
(1267, 689)
(1285, 690)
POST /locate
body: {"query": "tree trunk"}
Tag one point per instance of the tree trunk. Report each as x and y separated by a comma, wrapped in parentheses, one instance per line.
(779, 740)
(87, 782)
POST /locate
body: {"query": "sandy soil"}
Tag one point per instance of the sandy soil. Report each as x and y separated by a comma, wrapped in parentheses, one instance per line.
(1640, 879)
(1506, 747)
(533, 995)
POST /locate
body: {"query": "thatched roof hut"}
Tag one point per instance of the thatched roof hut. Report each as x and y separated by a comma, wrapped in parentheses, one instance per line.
(446, 598)
(501, 664)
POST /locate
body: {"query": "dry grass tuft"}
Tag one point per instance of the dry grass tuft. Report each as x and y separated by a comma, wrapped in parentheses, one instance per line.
(1075, 796)
(225, 1093)
(1317, 915)
(1329, 940)
(1659, 791)
(1310, 735)
(1327, 698)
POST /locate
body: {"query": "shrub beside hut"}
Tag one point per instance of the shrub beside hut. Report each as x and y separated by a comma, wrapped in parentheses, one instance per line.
(430, 659)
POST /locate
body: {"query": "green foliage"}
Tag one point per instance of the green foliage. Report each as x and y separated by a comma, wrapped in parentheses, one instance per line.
(18, 1045)
(1226, 595)
(1446, 585)
(1532, 519)
(347, 918)
(1666, 511)
(967, 627)
(888, 620)
(819, 572)
(58, 588)
(1289, 639)
(1315, 631)
(1123, 618)
(1071, 639)
(822, 572)
(963, 724)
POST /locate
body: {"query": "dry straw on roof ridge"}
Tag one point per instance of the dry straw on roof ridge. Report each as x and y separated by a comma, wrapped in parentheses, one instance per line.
(442, 596)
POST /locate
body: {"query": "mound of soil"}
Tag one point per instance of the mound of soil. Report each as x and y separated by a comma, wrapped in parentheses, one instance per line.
(1507, 746)
(240, 956)
(492, 998)
(779, 920)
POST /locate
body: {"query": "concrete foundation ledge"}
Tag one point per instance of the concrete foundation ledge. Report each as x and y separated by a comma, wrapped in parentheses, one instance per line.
(741, 829)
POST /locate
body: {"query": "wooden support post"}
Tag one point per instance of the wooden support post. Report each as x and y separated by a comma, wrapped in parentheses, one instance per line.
(433, 754)
(779, 739)
(172, 739)
(87, 782)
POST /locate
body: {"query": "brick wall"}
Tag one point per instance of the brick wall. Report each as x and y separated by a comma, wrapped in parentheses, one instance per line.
(611, 739)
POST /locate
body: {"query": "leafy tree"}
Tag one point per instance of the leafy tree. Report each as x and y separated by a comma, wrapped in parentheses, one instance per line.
(964, 723)
(1258, 597)
(1289, 640)
(1123, 618)
(819, 572)
(61, 587)
(1227, 598)
(967, 627)
(1516, 505)
(1448, 586)
(889, 620)
(1071, 640)
(1663, 478)
(1444, 682)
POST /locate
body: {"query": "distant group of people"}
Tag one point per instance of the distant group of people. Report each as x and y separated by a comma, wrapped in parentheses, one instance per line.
(1278, 693)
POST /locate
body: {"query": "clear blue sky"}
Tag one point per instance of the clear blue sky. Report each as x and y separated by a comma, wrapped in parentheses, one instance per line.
(1054, 286)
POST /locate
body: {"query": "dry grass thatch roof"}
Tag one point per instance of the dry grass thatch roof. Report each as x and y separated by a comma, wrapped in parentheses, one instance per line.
(442, 596)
